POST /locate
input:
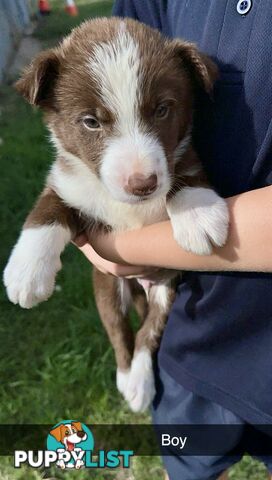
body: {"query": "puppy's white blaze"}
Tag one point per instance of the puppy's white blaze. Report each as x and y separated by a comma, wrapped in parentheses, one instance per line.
(199, 219)
(125, 295)
(126, 155)
(69, 427)
(30, 273)
(140, 390)
(82, 189)
(116, 67)
(73, 437)
(160, 294)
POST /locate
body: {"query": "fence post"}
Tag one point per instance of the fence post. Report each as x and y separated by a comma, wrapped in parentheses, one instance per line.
(14, 19)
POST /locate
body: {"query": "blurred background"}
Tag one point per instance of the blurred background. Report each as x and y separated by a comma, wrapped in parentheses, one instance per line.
(55, 359)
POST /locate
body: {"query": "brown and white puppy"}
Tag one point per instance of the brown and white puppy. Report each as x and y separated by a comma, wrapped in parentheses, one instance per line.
(70, 435)
(118, 101)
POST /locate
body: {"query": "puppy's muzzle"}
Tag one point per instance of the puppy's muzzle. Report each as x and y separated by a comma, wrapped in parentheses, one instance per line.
(141, 186)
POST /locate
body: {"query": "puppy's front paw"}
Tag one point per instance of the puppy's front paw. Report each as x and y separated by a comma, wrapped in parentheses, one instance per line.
(79, 464)
(199, 219)
(30, 281)
(122, 378)
(61, 464)
(140, 389)
(30, 274)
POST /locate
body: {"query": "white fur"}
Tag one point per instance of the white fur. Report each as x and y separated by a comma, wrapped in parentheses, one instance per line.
(125, 294)
(160, 293)
(34, 262)
(192, 171)
(81, 189)
(199, 219)
(183, 145)
(122, 378)
(140, 390)
(117, 69)
(69, 427)
(60, 463)
(153, 334)
(127, 155)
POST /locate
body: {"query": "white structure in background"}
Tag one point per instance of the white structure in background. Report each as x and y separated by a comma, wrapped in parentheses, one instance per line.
(14, 20)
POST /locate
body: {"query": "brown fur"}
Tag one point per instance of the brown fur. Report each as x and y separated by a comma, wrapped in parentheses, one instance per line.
(115, 321)
(66, 93)
(48, 209)
(149, 335)
(182, 176)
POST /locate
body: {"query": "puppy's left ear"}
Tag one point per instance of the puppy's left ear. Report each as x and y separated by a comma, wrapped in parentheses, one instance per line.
(39, 78)
(200, 67)
(77, 425)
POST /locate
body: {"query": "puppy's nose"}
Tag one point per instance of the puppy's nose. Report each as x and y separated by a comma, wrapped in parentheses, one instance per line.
(80, 434)
(140, 185)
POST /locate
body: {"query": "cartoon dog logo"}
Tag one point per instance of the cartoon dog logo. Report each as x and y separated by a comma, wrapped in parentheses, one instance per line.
(69, 434)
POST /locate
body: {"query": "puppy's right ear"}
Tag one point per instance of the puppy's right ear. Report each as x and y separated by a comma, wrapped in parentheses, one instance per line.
(200, 67)
(56, 432)
(39, 78)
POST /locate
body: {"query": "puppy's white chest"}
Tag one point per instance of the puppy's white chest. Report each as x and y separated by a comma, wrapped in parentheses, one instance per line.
(123, 216)
(83, 191)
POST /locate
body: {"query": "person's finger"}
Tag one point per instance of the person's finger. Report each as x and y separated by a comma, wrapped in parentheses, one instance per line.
(89, 252)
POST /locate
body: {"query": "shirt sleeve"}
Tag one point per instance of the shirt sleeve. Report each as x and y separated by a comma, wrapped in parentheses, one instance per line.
(150, 12)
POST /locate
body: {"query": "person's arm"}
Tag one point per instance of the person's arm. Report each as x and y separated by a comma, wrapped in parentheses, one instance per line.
(248, 248)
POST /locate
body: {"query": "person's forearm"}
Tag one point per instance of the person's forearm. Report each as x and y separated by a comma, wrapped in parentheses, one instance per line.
(248, 248)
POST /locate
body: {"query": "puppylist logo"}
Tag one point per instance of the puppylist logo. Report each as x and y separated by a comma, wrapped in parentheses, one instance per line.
(70, 445)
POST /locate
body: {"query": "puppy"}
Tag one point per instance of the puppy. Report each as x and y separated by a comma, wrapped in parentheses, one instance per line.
(69, 435)
(118, 100)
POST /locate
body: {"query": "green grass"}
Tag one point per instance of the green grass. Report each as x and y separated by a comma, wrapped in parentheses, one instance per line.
(56, 361)
(59, 24)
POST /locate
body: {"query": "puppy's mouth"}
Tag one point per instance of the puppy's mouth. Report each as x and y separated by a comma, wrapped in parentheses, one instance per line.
(70, 446)
(134, 199)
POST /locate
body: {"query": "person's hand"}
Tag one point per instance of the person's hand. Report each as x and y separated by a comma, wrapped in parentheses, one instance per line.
(105, 266)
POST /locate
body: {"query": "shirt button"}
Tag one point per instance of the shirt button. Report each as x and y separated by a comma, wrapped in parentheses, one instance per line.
(243, 6)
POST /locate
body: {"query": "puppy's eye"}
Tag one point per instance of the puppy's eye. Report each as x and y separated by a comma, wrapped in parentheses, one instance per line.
(162, 111)
(91, 123)
(67, 433)
(73, 430)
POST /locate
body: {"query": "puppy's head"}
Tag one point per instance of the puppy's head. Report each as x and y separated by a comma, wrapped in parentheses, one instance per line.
(118, 97)
(69, 434)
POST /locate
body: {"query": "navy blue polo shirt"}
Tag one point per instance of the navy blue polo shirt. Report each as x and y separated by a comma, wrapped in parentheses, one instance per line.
(218, 339)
